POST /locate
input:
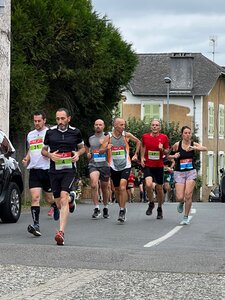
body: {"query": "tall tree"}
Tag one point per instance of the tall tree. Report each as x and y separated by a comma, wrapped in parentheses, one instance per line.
(64, 54)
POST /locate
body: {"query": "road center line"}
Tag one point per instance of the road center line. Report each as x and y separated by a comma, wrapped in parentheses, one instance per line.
(193, 211)
(169, 234)
(163, 238)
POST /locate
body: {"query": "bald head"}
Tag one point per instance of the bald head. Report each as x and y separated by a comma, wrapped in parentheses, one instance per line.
(99, 126)
(119, 125)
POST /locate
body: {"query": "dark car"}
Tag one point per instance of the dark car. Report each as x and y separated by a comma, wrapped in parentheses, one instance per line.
(11, 183)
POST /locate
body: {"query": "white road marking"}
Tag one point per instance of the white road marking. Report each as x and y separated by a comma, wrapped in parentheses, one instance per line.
(163, 238)
(169, 234)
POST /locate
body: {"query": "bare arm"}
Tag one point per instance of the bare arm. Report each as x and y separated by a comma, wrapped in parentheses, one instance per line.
(76, 154)
(143, 149)
(174, 148)
(26, 159)
(105, 145)
(53, 156)
(131, 137)
(199, 147)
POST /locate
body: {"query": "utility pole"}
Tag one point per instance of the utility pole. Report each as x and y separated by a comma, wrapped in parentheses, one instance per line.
(5, 44)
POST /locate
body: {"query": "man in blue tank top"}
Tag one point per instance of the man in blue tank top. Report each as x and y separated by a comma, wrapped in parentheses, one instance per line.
(98, 169)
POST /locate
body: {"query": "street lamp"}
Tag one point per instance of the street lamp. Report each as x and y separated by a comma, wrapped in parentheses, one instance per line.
(167, 81)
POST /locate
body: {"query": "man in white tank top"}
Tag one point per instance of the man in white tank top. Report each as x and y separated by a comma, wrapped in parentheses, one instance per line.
(38, 167)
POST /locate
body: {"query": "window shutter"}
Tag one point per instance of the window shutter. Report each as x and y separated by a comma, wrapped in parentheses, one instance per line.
(221, 120)
(210, 168)
(151, 111)
(210, 119)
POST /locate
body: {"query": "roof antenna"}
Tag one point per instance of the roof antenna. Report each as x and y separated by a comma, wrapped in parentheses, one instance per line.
(213, 44)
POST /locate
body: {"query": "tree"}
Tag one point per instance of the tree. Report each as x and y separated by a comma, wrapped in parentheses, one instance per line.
(65, 55)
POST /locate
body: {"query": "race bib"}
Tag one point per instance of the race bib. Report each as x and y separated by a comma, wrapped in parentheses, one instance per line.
(65, 161)
(186, 164)
(118, 152)
(153, 155)
(98, 157)
(130, 184)
(36, 144)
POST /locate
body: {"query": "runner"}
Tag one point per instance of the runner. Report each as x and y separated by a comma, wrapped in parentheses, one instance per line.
(116, 143)
(98, 169)
(38, 167)
(154, 146)
(130, 186)
(66, 145)
(185, 173)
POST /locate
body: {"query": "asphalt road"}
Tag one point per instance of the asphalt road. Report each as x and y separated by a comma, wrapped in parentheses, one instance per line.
(144, 258)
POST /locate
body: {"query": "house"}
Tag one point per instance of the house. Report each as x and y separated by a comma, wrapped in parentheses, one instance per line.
(193, 95)
(5, 44)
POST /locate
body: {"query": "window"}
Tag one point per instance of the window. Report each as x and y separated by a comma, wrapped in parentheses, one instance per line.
(221, 121)
(151, 111)
(210, 119)
(210, 169)
(2, 3)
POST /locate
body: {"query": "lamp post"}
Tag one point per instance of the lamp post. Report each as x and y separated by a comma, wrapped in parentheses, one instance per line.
(167, 81)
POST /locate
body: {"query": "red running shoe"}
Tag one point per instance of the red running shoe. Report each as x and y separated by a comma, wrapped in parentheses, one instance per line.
(59, 238)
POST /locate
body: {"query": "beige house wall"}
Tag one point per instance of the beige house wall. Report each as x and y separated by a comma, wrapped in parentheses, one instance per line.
(217, 96)
(178, 114)
(131, 110)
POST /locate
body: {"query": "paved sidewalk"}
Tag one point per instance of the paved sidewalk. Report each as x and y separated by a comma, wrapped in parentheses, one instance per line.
(41, 283)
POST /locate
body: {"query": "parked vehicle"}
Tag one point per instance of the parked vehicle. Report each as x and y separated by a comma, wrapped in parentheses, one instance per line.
(218, 193)
(222, 185)
(11, 183)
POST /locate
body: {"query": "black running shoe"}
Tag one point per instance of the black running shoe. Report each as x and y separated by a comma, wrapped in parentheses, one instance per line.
(96, 213)
(56, 212)
(34, 229)
(105, 213)
(159, 213)
(151, 205)
(122, 216)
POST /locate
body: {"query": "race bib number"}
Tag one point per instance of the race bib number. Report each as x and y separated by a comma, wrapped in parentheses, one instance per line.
(36, 144)
(186, 164)
(65, 161)
(130, 184)
(98, 157)
(118, 152)
(153, 155)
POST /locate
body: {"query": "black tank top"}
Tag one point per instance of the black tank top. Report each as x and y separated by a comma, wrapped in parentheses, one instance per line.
(186, 160)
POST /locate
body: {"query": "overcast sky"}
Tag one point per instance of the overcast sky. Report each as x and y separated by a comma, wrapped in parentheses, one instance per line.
(161, 26)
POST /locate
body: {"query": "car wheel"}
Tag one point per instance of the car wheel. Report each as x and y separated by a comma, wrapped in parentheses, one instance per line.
(11, 208)
(222, 197)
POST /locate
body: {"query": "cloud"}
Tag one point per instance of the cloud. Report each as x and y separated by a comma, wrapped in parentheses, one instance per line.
(167, 26)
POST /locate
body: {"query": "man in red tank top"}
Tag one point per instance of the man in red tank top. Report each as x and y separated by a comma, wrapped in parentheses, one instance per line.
(154, 146)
